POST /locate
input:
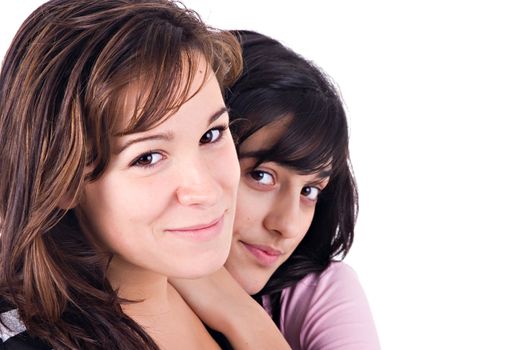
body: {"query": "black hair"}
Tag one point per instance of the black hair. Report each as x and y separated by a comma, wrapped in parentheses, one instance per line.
(277, 83)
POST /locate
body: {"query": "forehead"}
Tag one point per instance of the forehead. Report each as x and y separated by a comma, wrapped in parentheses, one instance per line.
(265, 137)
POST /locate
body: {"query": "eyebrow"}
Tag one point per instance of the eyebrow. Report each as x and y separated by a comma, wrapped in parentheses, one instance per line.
(167, 136)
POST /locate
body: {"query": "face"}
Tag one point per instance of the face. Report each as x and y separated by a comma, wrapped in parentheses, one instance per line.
(275, 207)
(166, 202)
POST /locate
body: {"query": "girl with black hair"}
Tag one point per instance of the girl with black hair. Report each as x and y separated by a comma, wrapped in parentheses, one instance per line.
(296, 209)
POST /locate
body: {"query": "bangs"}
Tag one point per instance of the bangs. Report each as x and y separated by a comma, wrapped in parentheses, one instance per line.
(312, 139)
(158, 64)
(144, 74)
(144, 89)
(159, 93)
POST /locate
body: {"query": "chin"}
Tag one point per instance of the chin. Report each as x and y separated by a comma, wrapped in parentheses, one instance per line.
(254, 290)
(211, 263)
(203, 263)
(250, 285)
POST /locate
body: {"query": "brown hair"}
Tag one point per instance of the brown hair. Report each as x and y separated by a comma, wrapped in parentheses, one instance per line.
(61, 88)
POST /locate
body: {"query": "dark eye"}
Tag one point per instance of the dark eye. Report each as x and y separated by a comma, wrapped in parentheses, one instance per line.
(311, 192)
(211, 135)
(262, 177)
(147, 159)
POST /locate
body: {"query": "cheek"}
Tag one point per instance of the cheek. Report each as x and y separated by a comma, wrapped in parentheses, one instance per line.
(115, 205)
(250, 209)
(100, 206)
(304, 225)
(308, 220)
(224, 167)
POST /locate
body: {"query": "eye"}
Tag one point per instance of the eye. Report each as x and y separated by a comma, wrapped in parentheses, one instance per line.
(262, 177)
(311, 192)
(213, 135)
(147, 159)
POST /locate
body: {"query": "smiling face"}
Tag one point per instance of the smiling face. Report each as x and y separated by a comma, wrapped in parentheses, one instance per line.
(275, 207)
(165, 203)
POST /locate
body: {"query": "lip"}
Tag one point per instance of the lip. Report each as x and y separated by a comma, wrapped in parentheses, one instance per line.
(265, 255)
(200, 232)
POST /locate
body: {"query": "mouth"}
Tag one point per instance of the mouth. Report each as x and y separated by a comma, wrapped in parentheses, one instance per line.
(200, 232)
(264, 255)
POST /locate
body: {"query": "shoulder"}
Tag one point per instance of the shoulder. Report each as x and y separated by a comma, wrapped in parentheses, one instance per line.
(337, 284)
(337, 279)
(328, 311)
(13, 332)
(10, 324)
(337, 272)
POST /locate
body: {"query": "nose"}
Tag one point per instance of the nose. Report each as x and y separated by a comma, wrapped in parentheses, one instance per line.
(284, 216)
(197, 185)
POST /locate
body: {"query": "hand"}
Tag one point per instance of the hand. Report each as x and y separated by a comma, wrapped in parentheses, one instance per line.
(223, 305)
(214, 297)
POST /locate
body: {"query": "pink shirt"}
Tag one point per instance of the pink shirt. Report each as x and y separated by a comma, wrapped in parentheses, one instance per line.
(328, 312)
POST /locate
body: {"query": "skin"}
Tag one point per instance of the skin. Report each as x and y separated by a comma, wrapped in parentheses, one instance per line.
(275, 207)
(165, 206)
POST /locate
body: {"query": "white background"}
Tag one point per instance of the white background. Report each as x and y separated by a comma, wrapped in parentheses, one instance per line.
(435, 92)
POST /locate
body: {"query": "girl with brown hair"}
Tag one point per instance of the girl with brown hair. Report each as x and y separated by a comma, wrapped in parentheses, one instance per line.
(118, 170)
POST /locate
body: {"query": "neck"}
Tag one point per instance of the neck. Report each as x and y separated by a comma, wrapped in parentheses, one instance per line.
(157, 307)
(148, 292)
